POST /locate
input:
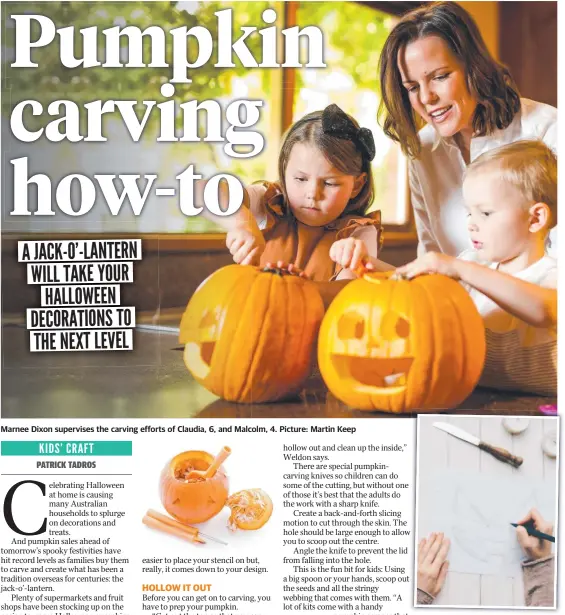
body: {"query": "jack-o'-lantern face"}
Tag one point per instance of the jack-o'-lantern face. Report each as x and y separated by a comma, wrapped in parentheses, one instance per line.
(400, 345)
(373, 349)
(199, 351)
(241, 337)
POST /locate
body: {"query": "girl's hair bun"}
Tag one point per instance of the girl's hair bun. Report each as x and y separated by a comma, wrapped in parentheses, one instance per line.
(337, 123)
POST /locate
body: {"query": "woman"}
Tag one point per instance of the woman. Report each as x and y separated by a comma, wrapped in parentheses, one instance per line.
(435, 70)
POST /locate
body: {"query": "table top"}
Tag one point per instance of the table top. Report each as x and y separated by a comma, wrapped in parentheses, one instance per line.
(439, 451)
(152, 382)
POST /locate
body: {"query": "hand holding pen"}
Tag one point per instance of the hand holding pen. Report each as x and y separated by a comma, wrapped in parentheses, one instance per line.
(534, 547)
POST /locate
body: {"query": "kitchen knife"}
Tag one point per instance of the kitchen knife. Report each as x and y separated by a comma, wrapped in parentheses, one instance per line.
(500, 453)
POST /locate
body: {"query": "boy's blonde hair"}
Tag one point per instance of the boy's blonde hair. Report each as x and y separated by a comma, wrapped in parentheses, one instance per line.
(530, 166)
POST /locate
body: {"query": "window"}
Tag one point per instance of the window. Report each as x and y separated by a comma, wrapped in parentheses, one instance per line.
(353, 36)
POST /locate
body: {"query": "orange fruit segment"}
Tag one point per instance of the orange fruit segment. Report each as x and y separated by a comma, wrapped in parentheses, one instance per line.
(250, 509)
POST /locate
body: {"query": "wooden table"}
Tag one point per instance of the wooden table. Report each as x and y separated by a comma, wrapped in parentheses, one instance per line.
(439, 451)
(152, 382)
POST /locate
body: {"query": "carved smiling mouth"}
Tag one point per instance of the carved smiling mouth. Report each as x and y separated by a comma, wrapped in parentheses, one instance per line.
(374, 372)
(206, 351)
(199, 357)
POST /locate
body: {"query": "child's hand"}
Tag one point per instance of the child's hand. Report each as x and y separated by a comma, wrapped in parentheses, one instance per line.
(431, 262)
(349, 253)
(246, 244)
(534, 548)
(291, 268)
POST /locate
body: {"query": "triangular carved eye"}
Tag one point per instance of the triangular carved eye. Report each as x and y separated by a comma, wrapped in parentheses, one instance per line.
(208, 320)
(351, 326)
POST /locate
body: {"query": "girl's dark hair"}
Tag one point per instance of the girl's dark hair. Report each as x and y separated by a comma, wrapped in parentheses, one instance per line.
(343, 154)
(488, 81)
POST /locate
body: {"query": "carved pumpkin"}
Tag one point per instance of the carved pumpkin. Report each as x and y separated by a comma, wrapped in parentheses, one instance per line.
(250, 334)
(402, 345)
(192, 500)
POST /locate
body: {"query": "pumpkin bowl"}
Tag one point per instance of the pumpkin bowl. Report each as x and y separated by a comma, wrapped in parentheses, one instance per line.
(192, 500)
(250, 333)
(402, 345)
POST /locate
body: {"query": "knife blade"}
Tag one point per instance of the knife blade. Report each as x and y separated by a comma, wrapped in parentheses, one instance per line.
(496, 451)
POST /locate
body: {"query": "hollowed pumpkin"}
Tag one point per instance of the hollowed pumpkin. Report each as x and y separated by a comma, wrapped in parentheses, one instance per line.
(250, 334)
(402, 345)
(192, 500)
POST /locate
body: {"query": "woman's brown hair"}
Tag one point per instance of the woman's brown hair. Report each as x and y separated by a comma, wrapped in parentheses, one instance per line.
(343, 154)
(488, 80)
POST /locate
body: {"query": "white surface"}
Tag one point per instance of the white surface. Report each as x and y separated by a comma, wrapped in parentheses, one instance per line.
(475, 511)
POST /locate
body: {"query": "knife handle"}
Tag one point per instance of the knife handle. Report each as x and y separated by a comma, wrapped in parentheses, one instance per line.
(501, 454)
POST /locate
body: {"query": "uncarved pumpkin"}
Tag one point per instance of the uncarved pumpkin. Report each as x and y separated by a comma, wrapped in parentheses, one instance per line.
(402, 345)
(192, 500)
(250, 333)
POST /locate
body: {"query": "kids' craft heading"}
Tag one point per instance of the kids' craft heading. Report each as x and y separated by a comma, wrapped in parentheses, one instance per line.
(190, 49)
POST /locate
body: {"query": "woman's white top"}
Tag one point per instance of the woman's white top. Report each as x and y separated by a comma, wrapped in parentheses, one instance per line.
(519, 357)
(436, 177)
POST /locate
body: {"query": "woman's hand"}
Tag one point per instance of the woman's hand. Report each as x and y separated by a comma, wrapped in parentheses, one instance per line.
(246, 244)
(432, 563)
(534, 548)
(431, 262)
(349, 253)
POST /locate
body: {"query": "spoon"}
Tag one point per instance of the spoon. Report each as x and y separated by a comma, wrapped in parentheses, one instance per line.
(213, 467)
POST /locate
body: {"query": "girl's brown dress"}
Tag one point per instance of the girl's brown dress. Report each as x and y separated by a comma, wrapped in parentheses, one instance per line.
(308, 247)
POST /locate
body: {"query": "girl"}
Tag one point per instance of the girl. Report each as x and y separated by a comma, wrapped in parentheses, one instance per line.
(324, 190)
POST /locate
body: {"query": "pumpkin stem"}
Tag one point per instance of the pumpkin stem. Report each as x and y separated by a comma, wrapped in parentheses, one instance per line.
(280, 271)
(379, 276)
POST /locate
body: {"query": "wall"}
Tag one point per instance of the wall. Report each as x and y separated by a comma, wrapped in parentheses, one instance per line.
(486, 15)
(523, 36)
(528, 46)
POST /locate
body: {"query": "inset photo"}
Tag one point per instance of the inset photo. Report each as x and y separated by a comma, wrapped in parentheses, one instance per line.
(210, 498)
(486, 511)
